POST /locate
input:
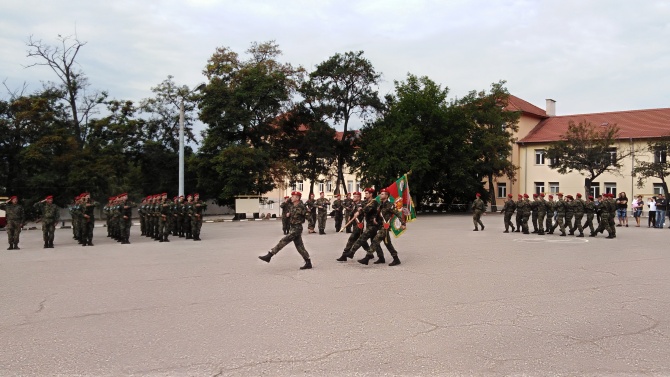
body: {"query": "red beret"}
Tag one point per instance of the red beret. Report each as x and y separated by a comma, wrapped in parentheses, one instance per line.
(196, 194)
(560, 194)
(509, 195)
(525, 195)
(591, 197)
(286, 197)
(579, 195)
(296, 193)
(520, 196)
(478, 195)
(189, 196)
(569, 197)
(13, 197)
(50, 197)
(164, 194)
(551, 196)
(383, 190)
(534, 195)
(349, 193)
(356, 193)
(542, 195)
(370, 190)
(337, 195)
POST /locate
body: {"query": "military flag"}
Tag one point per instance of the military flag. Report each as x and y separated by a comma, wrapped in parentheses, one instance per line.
(400, 196)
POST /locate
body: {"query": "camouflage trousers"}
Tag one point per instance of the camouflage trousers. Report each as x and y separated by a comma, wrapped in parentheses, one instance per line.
(540, 221)
(605, 225)
(294, 235)
(476, 218)
(559, 223)
(13, 229)
(568, 221)
(196, 225)
(518, 220)
(338, 220)
(124, 231)
(311, 220)
(383, 235)
(285, 224)
(368, 234)
(143, 225)
(357, 232)
(578, 223)
(322, 216)
(524, 222)
(549, 221)
(87, 230)
(347, 217)
(533, 217)
(589, 222)
(163, 227)
(48, 230)
(508, 221)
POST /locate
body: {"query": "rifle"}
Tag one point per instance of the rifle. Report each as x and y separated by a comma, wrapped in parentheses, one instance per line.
(355, 217)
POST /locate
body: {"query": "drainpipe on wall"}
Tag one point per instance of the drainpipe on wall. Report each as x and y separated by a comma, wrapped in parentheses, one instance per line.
(525, 170)
(632, 168)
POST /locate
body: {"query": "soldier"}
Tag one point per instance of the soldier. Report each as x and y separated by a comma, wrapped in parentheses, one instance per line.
(519, 216)
(297, 215)
(579, 208)
(199, 207)
(165, 211)
(541, 213)
(384, 215)
(337, 212)
(188, 215)
(125, 220)
(607, 207)
(348, 211)
(478, 208)
(117, 226)
(569, 213)
(88, 212)
(15, 217)
(156, 217)
(173, 219)
(549, 205)
(508, 209)
(108, 217)
(180, 217)
(322, 206)
(358, 227)
(560, 210)
(50, 215)
(140, 213)
(590, 209)
(369, 210)
(310, 204)
(524, 208)
(285, 208)
(534, 212)
(612, 214)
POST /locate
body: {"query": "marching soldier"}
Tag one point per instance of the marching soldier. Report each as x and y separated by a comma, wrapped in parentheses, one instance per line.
(369, 209)
(590, 209)
(525, 213)
(180, 217)
(125, 219)
(357, 229)
(606, 206)
(519, 216)
(508, 209)
(569, 214)
(337, 211)
(15, 217)
(560, 210)
(50, 215)
(322, 205)
(579, 208)
(478, 207)
(108, 216)
(348, 211)
(88, 212)
(141, 212)
(285, 208)
(198, 211)
(541, 213)
(384, 215)
(297, 215)
(310, 204)
(188, 215)
(165, 212)
(550, 206)
(534, 212)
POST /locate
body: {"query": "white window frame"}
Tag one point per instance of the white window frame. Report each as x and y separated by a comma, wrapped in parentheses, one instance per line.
(610, 188)
(502, 190)
(539, 156)
(554, 187)
(539, 187)
(658, 189)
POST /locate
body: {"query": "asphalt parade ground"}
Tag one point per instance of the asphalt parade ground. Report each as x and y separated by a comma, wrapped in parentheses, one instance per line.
(461, 303)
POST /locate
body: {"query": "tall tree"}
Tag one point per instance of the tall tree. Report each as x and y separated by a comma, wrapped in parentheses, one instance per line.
(492, 138)
(241, 104)
(61, 59)
(589, 150)
(340, 88)
(658, 167)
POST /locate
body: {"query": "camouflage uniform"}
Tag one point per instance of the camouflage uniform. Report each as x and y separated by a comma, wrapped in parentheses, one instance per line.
(310, 205)
(508, 209)
(569, 214)
(606, 206)
(165, 212)
(590, 209)
(50, 215)
(322, 208)
(369, 209)
(348, 205)
(550, 206)
(125, 220)
(519, 216)
(579, 208)
(196, 221)
(297, 214)
(478, 208)
(541, 213)
(337, 209)
(524, 208)
(534, 212)
(88, 212)
(560, 209)
(15, 217)
(358, 226)
(187, 210)
(285, 208)
(384, 215)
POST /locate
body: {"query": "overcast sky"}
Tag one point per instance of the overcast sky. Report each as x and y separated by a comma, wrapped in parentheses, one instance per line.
(588, 55)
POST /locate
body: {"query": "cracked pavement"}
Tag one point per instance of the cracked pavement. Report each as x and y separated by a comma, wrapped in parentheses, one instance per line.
(461, 303)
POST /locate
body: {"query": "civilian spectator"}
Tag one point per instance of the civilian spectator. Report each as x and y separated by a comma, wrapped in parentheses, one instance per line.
(637, 209)
(621, 209)
(661, 204)
(651, 204)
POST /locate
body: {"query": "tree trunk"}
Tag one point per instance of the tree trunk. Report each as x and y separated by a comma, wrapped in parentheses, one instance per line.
(494, 207)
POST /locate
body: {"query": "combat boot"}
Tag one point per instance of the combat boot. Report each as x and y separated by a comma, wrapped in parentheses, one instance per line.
(51, 244)
(165, 238)
(308, 265)
(266, 257)
(483, 227)
(46, 245)
(365, 260)
(507, 231)
(343, 257)
(16, 246)
(396, 261)
(11, 246)
(563, 234)
(380, 260)
(540, 233)
(580, 235)
(125, 241)
(197, 238)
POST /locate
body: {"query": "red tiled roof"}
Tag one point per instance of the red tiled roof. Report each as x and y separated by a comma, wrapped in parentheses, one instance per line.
(517, 104)
(635, 124)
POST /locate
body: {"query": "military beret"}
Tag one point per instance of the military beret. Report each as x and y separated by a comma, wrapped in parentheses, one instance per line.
(370, 190)
(164, 194)
(478, 195)
(296, 193)
(348, 193)
(49, 197)
(569, 197)
(337, 195)
(286, 197)
(525, 195)
(509, 195)
(13, 197)
(551, 196)
(534, 195)
(560, 194)
(520, 196)
(196, 194)
(541, 195)
(579, 195)
(591, 197)
(189, 196)
(383, 190)
(358, 193)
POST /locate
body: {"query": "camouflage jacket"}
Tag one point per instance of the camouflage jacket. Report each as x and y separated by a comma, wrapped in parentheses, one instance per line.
(297, 213)
(50, 212)
(509, 206)
(13, 212)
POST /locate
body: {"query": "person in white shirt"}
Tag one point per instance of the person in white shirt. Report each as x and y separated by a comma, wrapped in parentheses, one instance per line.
(651, 203)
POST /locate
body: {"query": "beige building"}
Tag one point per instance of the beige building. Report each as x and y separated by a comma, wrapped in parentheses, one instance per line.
(538, 128)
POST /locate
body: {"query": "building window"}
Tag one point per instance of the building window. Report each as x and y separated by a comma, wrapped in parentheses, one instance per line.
(350, 186)
(539, 157)
(358, 186)
(553, 187)
(299, 186)
(539, 187)
(322, 186)
(658, 189)
(611, 154)
(502, 190)
(329, 186)
(554, 162)
(660, 155)
(595, 189)
(610, 188)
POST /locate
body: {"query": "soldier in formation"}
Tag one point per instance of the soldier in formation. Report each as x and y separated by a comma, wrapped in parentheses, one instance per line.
(297, 215)
(478, 208)
(322, 205)
(357, 221)
(369, 210)
(196, 221)
(508, 209)
(384, 215)
(348, 206)
(338, 206)
(310, 205)
(15, 220)
(285, 208)
(50, 214)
